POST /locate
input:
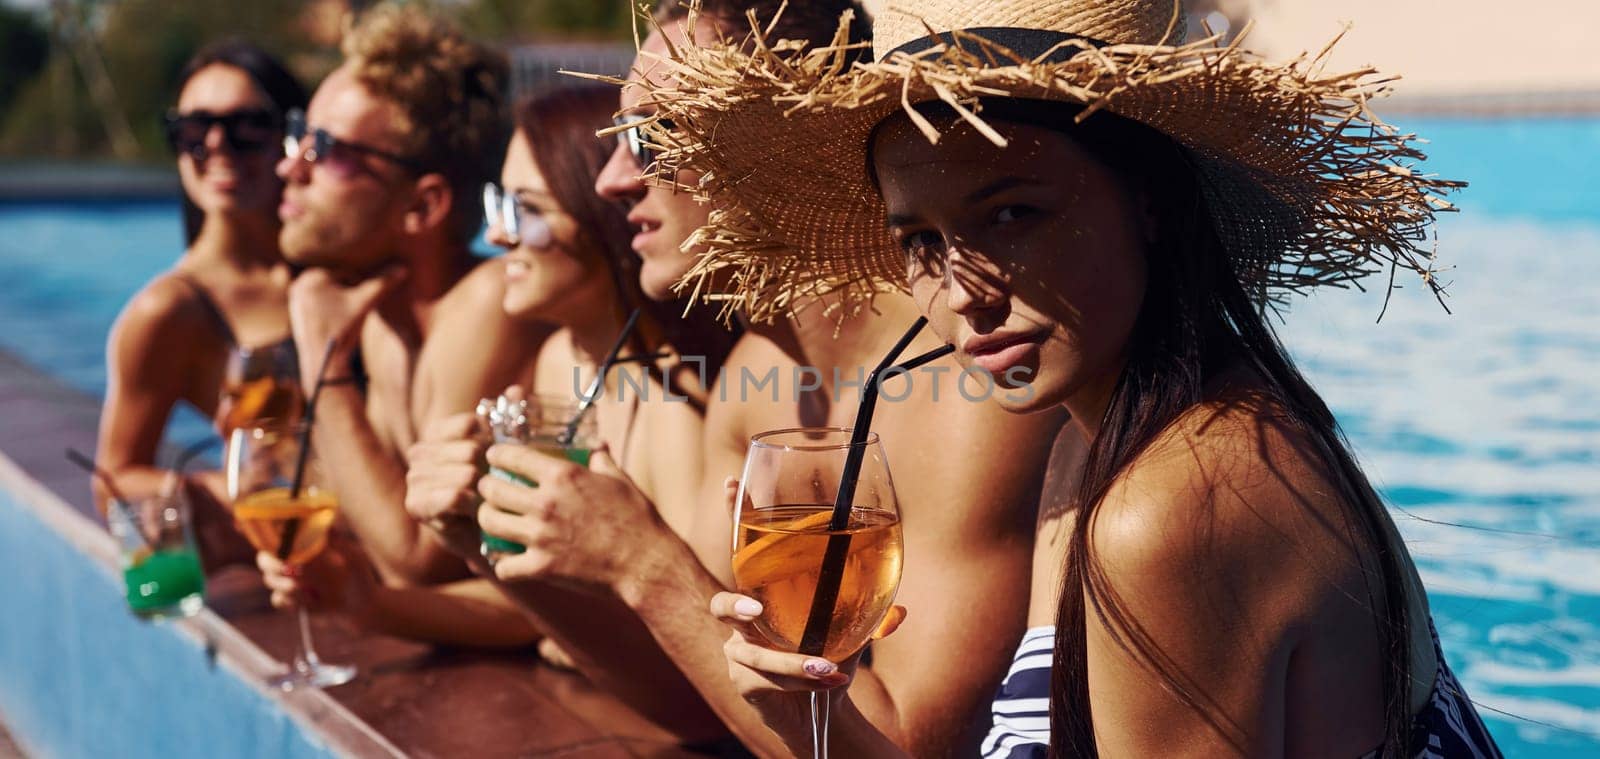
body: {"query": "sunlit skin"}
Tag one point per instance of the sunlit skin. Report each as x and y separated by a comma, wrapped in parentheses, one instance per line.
(955, 556)
(346, 223)
(1027, 259)
(226, 182)
(166, 346)
(661, 217)
(565, 284)
(553, 280)
(1229, 515)
(389, 276)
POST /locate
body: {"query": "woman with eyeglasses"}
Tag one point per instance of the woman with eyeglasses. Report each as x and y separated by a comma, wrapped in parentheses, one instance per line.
(226, 296)
(568, 262)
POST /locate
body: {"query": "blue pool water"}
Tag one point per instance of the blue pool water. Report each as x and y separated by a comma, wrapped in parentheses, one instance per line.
(1481, 428)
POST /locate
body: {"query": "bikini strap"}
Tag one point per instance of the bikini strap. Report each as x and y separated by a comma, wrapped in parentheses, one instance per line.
(218, 319)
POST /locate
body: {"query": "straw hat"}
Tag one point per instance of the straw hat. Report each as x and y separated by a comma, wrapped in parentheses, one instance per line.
(1306, 186)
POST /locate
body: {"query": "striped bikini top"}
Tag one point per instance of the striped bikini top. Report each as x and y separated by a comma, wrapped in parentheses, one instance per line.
(1448, 726)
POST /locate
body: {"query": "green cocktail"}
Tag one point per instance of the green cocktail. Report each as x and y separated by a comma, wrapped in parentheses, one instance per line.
(542, 423)
(579, 456)
(165, 583)
(161, 571)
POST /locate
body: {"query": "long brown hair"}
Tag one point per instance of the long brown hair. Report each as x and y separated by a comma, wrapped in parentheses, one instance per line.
(561, 125)
(1196, 321)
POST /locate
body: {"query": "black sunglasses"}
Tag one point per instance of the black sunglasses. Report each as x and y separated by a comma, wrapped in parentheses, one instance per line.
(244, 131)
(644, 152)
(325, 146)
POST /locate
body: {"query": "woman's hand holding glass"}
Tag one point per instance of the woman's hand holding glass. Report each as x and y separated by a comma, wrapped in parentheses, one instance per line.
(780, 546)
(340, 580)
(777, 683)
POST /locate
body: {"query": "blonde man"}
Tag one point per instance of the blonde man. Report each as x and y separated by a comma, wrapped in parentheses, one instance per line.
(380, 203)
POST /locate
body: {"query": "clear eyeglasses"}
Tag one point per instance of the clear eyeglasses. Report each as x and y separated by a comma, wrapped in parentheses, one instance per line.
(522, 224)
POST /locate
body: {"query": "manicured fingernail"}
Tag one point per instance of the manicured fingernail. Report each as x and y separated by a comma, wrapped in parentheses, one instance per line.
(748, 607)
(819, 667)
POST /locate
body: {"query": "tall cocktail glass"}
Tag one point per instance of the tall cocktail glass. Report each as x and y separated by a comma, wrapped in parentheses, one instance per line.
(262, 463)
(783, 540)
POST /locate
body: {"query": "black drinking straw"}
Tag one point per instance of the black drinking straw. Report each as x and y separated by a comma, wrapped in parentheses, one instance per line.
(815, 636)
(593, 391)
(286, 543)
(88, 465)
(118, 500)
(181, 461)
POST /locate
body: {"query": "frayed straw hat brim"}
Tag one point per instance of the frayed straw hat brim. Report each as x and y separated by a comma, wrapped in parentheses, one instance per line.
(1306, 186)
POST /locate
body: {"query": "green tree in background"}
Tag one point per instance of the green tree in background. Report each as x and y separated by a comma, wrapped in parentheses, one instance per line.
(24, 47)
(146, 43)
(139, 45)
(51, 107)
(523, 19)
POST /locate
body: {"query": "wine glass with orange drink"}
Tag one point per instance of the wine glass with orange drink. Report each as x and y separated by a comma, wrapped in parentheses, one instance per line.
(825, 577)
(260, 385)
(282, 507)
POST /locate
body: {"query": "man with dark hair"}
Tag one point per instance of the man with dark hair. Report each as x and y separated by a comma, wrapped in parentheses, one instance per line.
(967, 476)
(380, 204)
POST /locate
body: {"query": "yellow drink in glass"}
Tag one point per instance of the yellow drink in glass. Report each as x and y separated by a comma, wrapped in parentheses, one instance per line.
(779, 559)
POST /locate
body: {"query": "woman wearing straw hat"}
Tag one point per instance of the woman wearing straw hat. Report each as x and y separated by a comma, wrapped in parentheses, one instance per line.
(1065, 188)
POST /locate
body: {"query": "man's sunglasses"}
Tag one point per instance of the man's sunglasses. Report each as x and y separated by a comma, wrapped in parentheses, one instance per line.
(244, 131)
(644, 153)
(332, 151)
(522, 224)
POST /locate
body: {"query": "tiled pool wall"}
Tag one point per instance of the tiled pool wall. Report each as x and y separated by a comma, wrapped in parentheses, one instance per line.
(82, 677)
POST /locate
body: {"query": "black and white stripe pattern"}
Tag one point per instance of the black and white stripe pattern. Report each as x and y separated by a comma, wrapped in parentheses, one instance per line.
(1022, 707)
(1448, 727)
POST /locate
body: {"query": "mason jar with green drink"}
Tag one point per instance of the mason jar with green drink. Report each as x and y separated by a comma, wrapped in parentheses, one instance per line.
(554, 424)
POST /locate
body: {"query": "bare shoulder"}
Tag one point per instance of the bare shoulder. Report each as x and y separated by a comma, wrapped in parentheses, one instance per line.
(1232, 497)
(971, 445)
(164, 308)
(554, 364)
(480, 292)
(754, 351)
(473, 348)
(728, 415)
(472, 322)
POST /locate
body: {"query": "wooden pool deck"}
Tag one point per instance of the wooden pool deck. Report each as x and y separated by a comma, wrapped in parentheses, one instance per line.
(409, 700)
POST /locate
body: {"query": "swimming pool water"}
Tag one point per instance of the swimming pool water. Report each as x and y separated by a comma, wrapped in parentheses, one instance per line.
(1481, 428)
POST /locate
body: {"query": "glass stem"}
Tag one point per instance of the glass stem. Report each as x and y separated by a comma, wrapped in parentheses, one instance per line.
(306, 658)
(819, 725)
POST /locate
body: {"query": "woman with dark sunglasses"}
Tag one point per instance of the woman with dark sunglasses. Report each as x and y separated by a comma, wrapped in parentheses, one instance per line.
(226, 296)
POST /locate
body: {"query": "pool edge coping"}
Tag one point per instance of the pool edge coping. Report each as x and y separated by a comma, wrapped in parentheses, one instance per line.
(318, 714)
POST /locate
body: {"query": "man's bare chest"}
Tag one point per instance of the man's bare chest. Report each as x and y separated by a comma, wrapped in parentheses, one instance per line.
(391, 364)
